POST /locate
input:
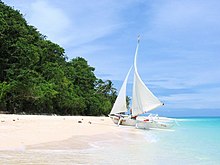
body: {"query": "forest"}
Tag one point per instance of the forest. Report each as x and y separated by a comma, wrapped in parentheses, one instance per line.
(36, 76)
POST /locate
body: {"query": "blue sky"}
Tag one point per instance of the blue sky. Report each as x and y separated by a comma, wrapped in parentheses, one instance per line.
(179, 50)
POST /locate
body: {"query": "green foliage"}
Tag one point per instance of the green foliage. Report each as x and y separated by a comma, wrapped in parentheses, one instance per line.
(35, 76)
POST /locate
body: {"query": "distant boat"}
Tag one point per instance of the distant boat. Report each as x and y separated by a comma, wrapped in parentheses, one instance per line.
(143, 101)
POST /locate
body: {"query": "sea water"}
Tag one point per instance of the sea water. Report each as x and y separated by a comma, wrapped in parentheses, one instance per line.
(194, 141)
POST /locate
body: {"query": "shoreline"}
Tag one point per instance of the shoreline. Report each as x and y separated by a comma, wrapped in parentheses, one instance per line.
(18, 132)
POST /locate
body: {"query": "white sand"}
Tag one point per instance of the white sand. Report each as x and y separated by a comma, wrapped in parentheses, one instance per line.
(35, 131)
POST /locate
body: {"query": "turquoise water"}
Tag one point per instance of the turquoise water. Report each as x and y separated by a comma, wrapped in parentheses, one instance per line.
(195, 141)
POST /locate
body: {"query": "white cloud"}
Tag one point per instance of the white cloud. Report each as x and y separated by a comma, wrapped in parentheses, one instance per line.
(202, 99)
(72, 23)
(50, 20)
(184, 20)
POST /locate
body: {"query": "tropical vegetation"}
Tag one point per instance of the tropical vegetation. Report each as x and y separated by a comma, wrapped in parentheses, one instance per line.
(37, 78)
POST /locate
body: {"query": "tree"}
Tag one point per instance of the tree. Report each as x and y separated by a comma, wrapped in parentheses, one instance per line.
(35, 76)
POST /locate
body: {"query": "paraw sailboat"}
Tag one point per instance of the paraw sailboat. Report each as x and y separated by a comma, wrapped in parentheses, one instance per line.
(143, 101)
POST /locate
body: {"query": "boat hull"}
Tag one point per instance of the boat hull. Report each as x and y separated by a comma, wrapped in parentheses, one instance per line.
(123, 120)
(151, 124)
(143, 122)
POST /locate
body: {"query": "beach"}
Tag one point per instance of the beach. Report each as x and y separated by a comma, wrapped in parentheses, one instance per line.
(36, 131)
(70, 140)
(39, 139)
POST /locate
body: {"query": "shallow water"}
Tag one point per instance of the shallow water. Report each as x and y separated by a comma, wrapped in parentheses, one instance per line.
(195, 141)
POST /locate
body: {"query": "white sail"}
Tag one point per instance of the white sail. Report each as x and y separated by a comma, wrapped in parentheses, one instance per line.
(120, 102)
(143, 99)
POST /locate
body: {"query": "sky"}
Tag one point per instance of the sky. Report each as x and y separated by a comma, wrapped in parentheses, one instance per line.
(179, 50)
